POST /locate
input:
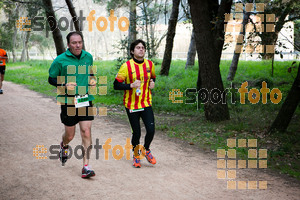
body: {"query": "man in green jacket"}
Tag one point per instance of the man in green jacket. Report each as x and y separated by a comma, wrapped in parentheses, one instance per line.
(71, 72)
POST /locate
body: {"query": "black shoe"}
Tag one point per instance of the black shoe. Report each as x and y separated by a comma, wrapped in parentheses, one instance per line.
(87, 172)
(63, 154)
(1, 91)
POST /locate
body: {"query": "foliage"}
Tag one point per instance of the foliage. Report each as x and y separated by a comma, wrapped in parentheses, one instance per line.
(7, 26)
(149, 12)
(152, 11)
(113, 4)
(121, 47)
(40, 41)
(12, 11)
(297, 35)
(282, 9)
(5, 37)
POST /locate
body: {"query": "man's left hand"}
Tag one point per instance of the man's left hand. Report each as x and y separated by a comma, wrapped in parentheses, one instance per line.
(152, 84)
(93, 82)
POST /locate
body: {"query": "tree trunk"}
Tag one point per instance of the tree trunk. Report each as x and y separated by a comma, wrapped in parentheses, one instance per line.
(190, 61)
(14, 44)
(75, 19)
(25, 56)
(57, 37)
(152, 40)
(22, 59)
(165, 66)
(233, 66)
(218, 15)
(209, 46)
(26, 45)
(236, 56)
(269, 39)
(288, 107)
(15, 15)
(132, 26)
(272, 70)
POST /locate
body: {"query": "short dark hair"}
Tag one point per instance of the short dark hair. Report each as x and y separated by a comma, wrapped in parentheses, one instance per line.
(74, 33)
(133, 45)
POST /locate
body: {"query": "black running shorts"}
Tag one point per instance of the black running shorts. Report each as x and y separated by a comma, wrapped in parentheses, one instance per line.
(73, 118)
(2, 69)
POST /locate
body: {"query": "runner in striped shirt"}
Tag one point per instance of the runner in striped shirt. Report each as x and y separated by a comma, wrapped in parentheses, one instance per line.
(137, 77)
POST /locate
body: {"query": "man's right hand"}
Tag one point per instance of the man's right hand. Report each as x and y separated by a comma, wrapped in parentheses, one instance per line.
(136, 84)
(71, 85)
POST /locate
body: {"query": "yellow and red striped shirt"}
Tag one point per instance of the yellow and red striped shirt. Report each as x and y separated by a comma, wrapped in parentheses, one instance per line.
(132, 71)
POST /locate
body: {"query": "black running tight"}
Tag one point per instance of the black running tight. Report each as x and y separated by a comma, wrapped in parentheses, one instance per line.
(148, 119)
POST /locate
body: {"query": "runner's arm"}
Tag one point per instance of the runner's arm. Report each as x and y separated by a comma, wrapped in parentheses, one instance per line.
(54, 73)
(121, 86)
(5, 57)
(52, 81)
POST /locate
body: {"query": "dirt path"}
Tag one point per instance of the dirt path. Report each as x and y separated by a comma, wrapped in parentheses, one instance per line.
(28, 119)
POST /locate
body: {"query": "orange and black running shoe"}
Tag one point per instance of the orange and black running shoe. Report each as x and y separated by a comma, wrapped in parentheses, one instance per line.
(150, 157)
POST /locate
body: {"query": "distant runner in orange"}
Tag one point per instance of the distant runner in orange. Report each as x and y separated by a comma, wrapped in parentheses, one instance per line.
(3, 59)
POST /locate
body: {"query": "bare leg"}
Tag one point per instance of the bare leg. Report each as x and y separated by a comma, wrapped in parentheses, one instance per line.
(85, 131)
(1, 79)
(69, 134)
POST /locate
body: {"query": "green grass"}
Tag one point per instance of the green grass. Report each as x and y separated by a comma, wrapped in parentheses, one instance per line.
(184, 121)
(34, 74)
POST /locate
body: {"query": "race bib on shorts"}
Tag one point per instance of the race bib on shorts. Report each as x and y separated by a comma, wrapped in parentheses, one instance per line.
(81, 101)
